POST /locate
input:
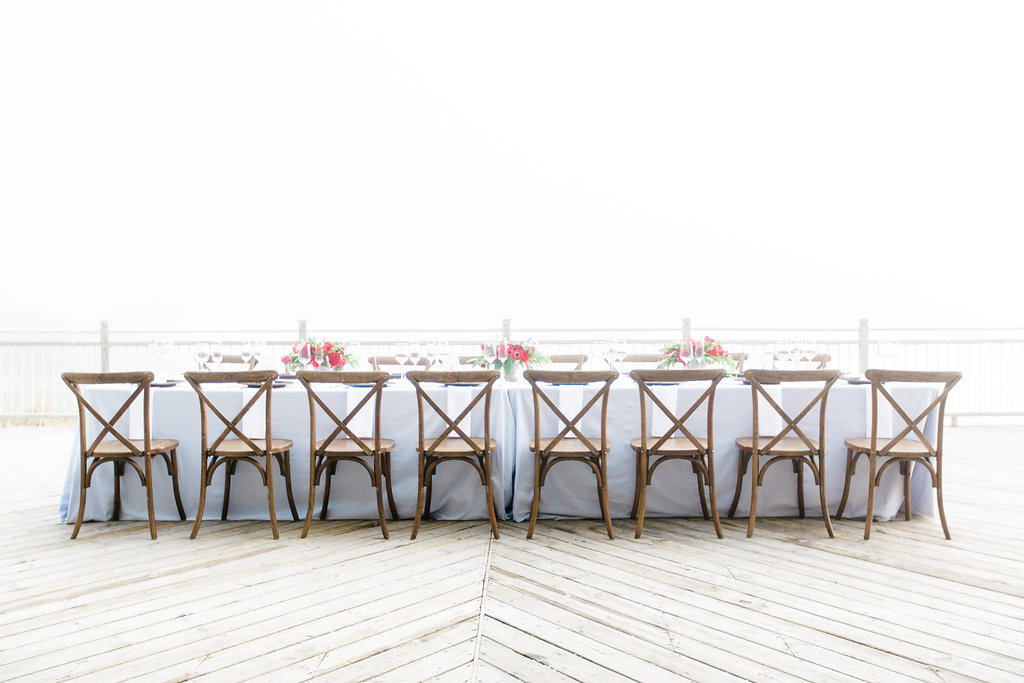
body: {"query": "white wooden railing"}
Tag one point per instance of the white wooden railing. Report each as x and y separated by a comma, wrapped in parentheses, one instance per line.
(992, 360)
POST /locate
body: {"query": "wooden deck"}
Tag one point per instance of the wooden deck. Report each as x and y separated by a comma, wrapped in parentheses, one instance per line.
(344, 604)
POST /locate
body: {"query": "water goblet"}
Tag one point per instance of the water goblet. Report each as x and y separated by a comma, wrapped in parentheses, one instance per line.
(217, 353)
(620, 350)
(783, 354)
(246, 352)
(430, 351)
(401, 357)
(444, 354)
(202, 355)
(414, 355)
(697, 353)
(259, 352)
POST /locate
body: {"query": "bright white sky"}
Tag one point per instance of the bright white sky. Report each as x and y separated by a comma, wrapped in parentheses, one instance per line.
(405, 164)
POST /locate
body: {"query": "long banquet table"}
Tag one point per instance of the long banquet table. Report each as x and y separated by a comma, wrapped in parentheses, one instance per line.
(569, 490)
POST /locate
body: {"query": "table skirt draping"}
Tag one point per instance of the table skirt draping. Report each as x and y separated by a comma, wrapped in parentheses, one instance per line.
(569, 490)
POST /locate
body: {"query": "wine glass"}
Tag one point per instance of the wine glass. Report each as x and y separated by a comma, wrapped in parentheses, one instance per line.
(430, 351)
(217, 353)
(401, 356)
(808, 350)
(599, 350)
(245, 352)
(620, 350)
(414, 355)
(355, 351)
(697, 353)
(685, 353)
(259, 352)
(306, 355)
(783, 354)
(490, 353)
(202, 354)
(444, 353)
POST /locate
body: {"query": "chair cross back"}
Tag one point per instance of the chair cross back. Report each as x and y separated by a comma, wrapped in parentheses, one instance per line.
(378, 379)
(606, 376)
(266, 379)
(484, 377)
(642, 377)
(143, 379)
(758, 377)
(880, 377)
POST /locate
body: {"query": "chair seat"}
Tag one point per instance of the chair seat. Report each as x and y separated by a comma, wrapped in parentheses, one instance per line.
(237, 447)
(113, 449)
(677, 445)
(350, 447)
(568, 446)
(905, 447)
(788, 445)
(457, 447)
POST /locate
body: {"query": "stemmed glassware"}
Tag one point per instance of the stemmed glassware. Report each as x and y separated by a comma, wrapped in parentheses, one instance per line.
(414, 355)
(697, 353)
(444, 353)
(600, 352)
(783, 354)
(808, 350)
(402, 352)
(501, 353)
(490, 353)
(306, 356)
(202, 354)
(619, 352)
(259, 352)
(430, 351)
(246, 352)
(217, 353)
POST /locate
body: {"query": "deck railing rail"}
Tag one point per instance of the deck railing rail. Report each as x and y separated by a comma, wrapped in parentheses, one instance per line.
(992, 359)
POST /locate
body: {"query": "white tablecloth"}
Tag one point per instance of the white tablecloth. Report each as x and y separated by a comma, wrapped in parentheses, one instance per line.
(569, 490)
(457, 492)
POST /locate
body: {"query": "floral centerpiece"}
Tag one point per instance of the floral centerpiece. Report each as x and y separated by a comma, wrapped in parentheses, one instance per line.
(328, 355)
(509, 357)
(683, 352)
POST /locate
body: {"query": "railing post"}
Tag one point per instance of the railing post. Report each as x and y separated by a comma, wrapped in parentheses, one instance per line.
(104, 346)
(862, 347)
(302, 330)
(687, 328)
(506, 328)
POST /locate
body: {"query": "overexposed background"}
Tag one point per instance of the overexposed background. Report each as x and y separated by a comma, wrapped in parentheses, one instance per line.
(404, 164)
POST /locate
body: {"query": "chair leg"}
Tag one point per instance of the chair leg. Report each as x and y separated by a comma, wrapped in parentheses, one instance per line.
(229, 469)
(311, 498)
(872, 465)
(377, 486)
(741, 469)
(700, 491)
(851, 464)
(118, 471)
(907, 512)
(81, 510)
(535, 507)
(285, 461)
(798, 467)
(148, 458)
(271, 506)
(386, 470)
(490, 496)
(202, 497)
(714, 504)
(640, 511)
(329, 472)
(754, 485)
(172, 466)
(430, 492)
(821, 493)
(602, 494)
(641, 482)
(419, 497)
(942, 510)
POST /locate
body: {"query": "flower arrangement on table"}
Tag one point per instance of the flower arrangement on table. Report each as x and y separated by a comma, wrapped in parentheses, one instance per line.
(683, 352)
(328, 355)
(509, 357)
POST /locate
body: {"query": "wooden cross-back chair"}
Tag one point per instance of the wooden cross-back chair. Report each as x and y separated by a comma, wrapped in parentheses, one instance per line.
(564, 448)
(568, 359)
(228, 452)
(902, 448)
(821, 360)
(637, 361)
(378, 363)
(652, 451)
(477, 451)
(740, 359)
(799, 449)
(344, 445)
(121, 452)
(231, 359)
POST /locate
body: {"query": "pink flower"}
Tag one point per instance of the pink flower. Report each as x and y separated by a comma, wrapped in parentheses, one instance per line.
(286, 359)
(335, 359)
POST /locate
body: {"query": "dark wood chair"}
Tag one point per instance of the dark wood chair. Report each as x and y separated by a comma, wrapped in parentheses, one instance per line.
(325, 454)
(652, 451)
(564, 448)
(739, 358)
(476, 451)
(120, 451)
(226, 452)
(800, 450)
(902, 449)
(577, 360)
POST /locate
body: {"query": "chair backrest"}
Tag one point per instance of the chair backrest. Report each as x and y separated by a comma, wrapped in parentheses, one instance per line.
(231, 359)
(549, 377)
(380, 362)
(879, 378)
(265, 378)
(821, 360)
(568, 359)
(636, 361)
(468, 360)
(758, 378)
(739, 358)
(376, 382)
(142, 380)
(644, 378)
(483, 378)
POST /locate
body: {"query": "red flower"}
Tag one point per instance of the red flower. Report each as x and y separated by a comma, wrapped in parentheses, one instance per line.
(707, 339)
(286, 359)
(683, 355)
(335, 359)
(295, 347)
(328, 347)
(315, 364)
(518, 354)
